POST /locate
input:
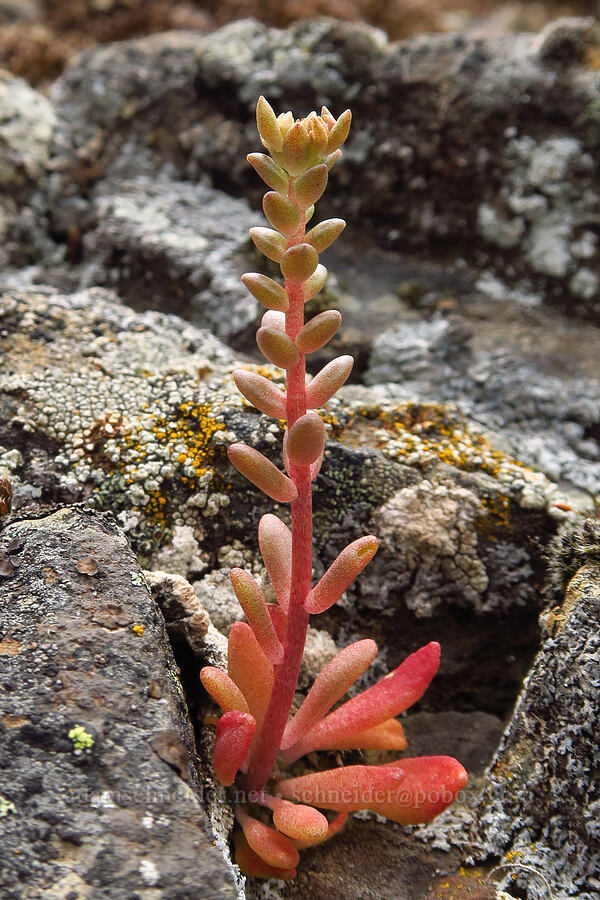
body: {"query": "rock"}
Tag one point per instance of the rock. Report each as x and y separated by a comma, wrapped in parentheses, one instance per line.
(526, 375)
(185, 617)
(539, 805)
(133, 412)
(100, 795)
(173, 246)
(465, 169)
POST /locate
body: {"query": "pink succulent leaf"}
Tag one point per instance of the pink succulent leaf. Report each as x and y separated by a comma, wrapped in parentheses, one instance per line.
(419, 790)
(250, 669)
(340, 574)
(255, 609)
(385, 700)
(223, 689)
(272, 846)
(261, 393)
(328, 381)
(387, 736)
(330, 684)
(235, 731)
(431, 783)
(275, 542)
(346, 789)
(332, 829)
(315, 467)
(253, 865)
(297, 821)
(279, 620)
(261, 472)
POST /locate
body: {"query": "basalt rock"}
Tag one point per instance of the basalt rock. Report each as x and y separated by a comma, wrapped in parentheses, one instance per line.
(99, 794)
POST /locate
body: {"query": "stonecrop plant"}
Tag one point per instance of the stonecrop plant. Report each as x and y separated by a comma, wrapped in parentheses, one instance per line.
(257, 738)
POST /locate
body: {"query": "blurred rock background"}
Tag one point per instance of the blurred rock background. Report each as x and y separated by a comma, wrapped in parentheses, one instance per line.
(39, 37)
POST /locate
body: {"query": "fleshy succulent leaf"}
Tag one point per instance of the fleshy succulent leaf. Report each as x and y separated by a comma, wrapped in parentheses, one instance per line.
(281, 213)
(223, 689)
(318, 331)
(268, 127)
(340, 574)
(385, 700)
(261, 392)
(305, 439)
(253, 865)
(275, 542)
(431, 783)
(345, 789)
(277, 347)
(296, 149)
(325, 233)
(261, 472)
(332, 829)
(272, 846)
(270, 243)
(339, 132)
(249, 667)
(266, 291)
(310, 185)
(272, 174)
(328, 687)
(328, 381)
(255, 609)
(315, 283)
(299, 262)
(235, 731)
(297, 821)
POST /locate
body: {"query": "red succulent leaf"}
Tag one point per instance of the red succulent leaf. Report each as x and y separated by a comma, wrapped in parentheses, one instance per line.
(255, 608)
(251, 863)
(272, 846)
(417, 791)
(303, 823)
(431, 783)
(235, 731)
(388, 698)
(330, 684)
(250, 669)
(332, 829)
(223, 689)
(346, 789)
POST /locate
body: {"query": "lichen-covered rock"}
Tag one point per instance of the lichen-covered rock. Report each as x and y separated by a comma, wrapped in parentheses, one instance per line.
(528, 376)
(168, 245)
(540, 803)
(99, 792)
(133, 413)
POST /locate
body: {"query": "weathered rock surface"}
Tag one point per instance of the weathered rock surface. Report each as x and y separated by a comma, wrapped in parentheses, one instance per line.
(540, 803)
(113, 809)
(479, 149)
(133, 413)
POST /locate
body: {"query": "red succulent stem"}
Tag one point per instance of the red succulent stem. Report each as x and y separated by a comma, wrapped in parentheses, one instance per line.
(268, 741)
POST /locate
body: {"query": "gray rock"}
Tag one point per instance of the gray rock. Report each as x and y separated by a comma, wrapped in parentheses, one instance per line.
(528, 376)
(133, 413)
(539, 805)
(490, 150)
(100, 796)
(173, 246)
